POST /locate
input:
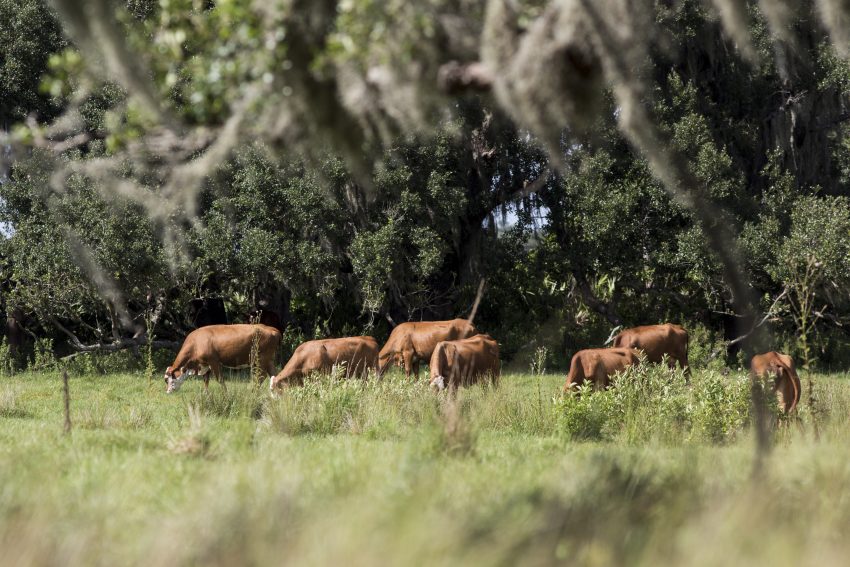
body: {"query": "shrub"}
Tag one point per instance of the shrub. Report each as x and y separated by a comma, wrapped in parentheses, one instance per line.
(43, 356)
(706, 348)
(585, 414)
(7, 363)
(721, 406)
(650, 403)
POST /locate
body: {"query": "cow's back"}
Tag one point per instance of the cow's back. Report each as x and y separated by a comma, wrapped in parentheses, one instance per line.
(230, 345)
(464, 360)
(358, 352)
(320, 355)
(656, 341)
(598, 364)
(482, 352)
(426, 334)
(423, 336)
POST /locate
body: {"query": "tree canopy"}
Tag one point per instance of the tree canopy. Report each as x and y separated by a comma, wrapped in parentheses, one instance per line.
(350, 165)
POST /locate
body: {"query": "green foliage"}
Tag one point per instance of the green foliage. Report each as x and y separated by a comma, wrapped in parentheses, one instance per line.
(44, 358)
(706, 348)
(7, 362)
(814, 263)
(333, 253)
(53, 233)
(819, 232)
(586, 415)
(29, 34)
(160, 478)
(650, 403)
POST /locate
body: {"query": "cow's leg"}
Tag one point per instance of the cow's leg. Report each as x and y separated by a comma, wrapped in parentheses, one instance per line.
(268, 367)
(407, 361)
(215, 369)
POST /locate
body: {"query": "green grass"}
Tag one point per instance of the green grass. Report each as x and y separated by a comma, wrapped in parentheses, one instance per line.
(654, 472)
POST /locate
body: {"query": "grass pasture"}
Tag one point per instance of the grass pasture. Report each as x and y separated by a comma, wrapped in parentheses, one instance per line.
(387, 473)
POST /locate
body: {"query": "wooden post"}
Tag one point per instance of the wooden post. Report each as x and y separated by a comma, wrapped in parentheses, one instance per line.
(813, 406)
(761, 419)
(67, 396)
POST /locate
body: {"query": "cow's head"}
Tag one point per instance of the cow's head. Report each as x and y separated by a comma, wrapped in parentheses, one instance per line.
(385, 360)
(174, 378)
(285, 378)
(275, 383)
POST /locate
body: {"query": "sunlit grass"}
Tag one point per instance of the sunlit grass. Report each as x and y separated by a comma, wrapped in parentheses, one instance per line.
(388, 472)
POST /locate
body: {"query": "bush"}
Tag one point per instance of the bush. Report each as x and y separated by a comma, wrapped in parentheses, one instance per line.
(706, 348)
(43, 356)
(586, 414)
(721, 406)
(651, 403)
(7, 363)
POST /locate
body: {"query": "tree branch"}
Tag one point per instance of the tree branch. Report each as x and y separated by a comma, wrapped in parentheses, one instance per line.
(764, 320)
(75, 341)
(606, 310)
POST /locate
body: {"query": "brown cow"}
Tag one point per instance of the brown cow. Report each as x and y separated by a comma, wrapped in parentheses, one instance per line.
(410, 343)
(786, 383)
(656, 341)
(359, 354)
(209, 348)
(597, 364)
(463, 362)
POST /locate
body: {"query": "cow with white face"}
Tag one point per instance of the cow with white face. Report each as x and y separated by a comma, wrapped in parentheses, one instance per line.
(206, 350)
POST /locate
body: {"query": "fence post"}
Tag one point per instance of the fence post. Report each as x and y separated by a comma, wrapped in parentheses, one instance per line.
(67, 395)
(761, 417)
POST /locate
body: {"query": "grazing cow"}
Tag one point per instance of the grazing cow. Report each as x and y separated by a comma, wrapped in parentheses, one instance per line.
(597, 364)
(786, 383)
(410, 343)
(209, 348)
(359, 354)
(463, 362)
(656, 341)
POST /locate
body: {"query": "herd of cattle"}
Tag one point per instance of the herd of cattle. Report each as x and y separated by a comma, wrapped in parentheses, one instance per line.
(457, 353)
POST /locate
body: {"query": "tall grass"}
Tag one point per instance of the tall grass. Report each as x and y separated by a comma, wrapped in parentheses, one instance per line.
(654, 471)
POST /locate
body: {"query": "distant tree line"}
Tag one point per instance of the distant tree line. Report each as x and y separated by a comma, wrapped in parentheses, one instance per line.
(568, 250)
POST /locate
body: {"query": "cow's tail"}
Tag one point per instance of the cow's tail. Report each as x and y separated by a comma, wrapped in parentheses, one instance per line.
(439, 357)
(794, 386)
(477, 300)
